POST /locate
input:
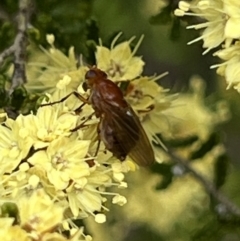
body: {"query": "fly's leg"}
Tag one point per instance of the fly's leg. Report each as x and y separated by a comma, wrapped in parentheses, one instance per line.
(75, 93)
(79, 109)
(99, 139)
(82, 124)
(98, 147)
(91, 162)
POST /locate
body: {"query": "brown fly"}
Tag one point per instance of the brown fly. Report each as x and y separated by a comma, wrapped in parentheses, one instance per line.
(119, 127)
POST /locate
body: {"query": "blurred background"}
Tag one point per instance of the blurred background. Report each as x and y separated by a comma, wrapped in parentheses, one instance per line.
(161, 204)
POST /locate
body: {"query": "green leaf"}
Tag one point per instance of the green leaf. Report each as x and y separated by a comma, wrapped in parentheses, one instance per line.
(165, 170)
(3, 93)
(10, 209)
(179, 142)
(70, 23)
(163, 17)
(92, 36)
(220, 170)
(17, 98)
(207, 146)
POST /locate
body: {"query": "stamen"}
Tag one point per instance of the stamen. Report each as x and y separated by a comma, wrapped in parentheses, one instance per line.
(195, 40)
(179, 12)
(185, 6)
(154, 79)
(137, 45)
(115, 40)
(205, 35)
(219, 65)
(203, 25)
(56, 60)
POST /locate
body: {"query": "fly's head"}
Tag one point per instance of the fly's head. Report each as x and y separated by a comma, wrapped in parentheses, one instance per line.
(92, 76)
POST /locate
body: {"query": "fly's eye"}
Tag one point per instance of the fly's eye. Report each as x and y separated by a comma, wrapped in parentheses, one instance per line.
(85, 86)
(90, 74)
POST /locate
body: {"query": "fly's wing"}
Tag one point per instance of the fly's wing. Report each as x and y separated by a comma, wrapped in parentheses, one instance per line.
(131, 135)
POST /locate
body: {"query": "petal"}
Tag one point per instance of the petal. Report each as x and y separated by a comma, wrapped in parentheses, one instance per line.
(232, 28)
(231, 8)
(213, 36)
(40, 158)
(103, 57)
(78, 171)
(121, 53)
(90, 200)
(232, 73)
(135, 68)
(56, 178)
(77, 149)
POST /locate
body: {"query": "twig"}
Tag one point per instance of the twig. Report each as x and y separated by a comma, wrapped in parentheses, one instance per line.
(7, 52)
(20, 43)
(18, 48)
(209, 186)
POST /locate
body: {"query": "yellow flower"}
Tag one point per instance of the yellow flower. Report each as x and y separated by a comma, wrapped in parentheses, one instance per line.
(85, 200)
(150, 101)
(230, 68)
(232, 28)
(46, 67)
(14, 233)
(119, 61)
(14, 144)
(40, 218)
(49, 123)
(64, 160)
(88, 193)
(222, 20)
(192, 116)
(8, 232)
(38, 214)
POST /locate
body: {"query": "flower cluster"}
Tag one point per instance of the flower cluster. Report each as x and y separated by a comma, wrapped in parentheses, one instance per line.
(119, 61)
(143, 93)
(37, 218)
(193, 118)
(40, 150)
(221, 26)
(189, 116)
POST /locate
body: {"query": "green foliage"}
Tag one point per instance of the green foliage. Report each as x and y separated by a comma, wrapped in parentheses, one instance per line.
(166, 17)
(73, 24)
(7, 34)
(143, 232)
(70, 22)
(221, 170)
(207, 146)
(165, 170)
(180, 142)
(10, 209)
(8, 31)
(3, 92)
(10, 6)
(18, 96)
(163, 17)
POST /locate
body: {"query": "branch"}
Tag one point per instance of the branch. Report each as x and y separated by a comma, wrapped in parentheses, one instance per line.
(209, 186)
(7, 52)
(18, 48)
(20, 43)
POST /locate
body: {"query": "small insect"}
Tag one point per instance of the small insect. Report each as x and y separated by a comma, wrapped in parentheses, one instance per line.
(119, 127)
